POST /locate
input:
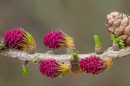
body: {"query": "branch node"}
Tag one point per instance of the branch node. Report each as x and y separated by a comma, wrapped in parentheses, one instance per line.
(75, 68)
(2, 43)
(36, 60)
(115, 46)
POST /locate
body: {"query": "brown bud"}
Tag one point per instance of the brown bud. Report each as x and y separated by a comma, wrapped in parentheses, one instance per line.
(115, 46)
(75, 68)
(108, 61)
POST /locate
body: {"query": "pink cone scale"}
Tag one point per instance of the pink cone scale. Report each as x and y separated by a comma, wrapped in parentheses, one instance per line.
(53, 69)
(93, 65)
(57, 38)
(19, 38)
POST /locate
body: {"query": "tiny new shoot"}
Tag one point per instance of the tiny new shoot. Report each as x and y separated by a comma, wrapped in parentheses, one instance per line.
(117, 40)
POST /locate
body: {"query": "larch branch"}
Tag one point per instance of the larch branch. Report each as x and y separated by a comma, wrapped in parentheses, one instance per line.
(23, 55)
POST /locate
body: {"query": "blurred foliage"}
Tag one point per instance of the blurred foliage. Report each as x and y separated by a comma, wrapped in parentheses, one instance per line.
(80, 19)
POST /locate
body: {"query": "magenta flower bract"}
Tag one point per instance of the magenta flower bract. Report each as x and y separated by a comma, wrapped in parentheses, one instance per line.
(93, 64)
(49, 68)
(53, 39)
(13, 37)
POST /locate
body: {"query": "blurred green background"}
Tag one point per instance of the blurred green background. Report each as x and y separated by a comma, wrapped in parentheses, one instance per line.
(81, 19)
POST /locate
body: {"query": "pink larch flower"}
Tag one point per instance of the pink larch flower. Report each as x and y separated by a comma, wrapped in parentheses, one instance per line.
(19, 38)
(94, 64)
(13, 37)
(56, 38)
(53, 69)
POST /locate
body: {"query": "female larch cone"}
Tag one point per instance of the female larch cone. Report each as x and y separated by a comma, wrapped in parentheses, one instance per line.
(56, 39)
(20, 39)
(52, 68)
(13, 37)
(119, 24)
(94, 64)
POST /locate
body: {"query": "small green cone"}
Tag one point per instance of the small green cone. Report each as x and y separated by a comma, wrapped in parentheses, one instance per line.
(25, 70)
